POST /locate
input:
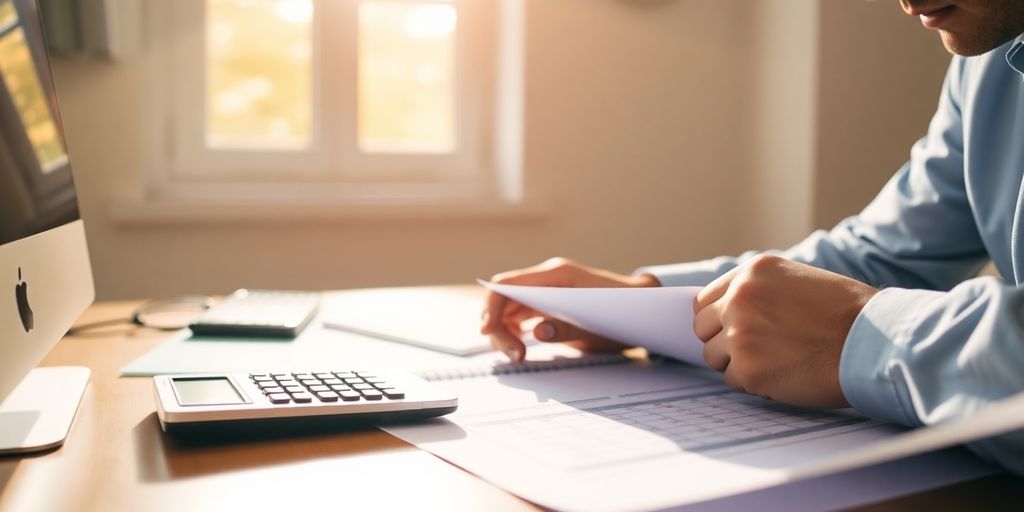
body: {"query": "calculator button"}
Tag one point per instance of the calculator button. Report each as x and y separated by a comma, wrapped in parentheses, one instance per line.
(302, 376)
(330, 381)
(371, 394)
(255, 376)
(318, 389)
(310, 382)
(273, 390)
(302, 398)
(280, 375)
(340, 387)
(349, 396)
(287, 382)
(393, 394)
(279, 398)
(361, 387)
(295, 389)
(354, 380)
(324, 375)
(327, 396)
(344, 375)
(262, 379)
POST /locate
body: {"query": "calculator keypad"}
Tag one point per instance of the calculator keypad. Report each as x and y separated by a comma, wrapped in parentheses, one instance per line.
(327, 387)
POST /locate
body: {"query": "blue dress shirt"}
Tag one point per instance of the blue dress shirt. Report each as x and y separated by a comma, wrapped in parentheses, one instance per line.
(937, 343)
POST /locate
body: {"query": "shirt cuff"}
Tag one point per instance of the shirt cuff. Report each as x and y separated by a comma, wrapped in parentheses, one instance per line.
(697, 273)
(872, 368)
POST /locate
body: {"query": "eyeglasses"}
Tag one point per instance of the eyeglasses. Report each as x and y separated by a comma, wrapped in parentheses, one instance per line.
(163, 315)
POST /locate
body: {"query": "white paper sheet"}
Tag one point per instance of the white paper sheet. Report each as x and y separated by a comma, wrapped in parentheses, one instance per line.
(442, 319)
(622, 437)
(658, 319)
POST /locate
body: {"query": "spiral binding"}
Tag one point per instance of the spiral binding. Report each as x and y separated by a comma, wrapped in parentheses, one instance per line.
(524, 367)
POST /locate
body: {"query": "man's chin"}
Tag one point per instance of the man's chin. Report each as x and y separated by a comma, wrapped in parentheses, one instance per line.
(967, 46)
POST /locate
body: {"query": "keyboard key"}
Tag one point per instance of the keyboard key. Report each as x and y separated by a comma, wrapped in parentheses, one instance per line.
(302, 398)
(279, 398)
(393, 394)
(349, 396)
(326, 396)
(371, 394)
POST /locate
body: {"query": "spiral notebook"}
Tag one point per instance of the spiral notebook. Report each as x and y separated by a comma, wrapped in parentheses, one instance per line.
(555, 363)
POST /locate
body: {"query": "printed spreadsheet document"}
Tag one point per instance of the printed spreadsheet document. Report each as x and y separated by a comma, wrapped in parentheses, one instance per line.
(639, 436)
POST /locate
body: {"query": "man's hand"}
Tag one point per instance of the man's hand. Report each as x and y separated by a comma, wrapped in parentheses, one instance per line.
(776, 328)
(503, 318)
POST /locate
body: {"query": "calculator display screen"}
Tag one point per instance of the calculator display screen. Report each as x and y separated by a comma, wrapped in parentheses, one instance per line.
(206, 391)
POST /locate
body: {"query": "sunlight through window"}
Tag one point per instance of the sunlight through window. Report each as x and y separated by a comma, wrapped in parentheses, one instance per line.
(259, 92)
(406, 68)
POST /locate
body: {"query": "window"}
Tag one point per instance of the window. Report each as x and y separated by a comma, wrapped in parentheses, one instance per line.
(341, 100)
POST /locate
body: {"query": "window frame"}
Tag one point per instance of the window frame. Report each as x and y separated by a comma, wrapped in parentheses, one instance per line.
(179, 166)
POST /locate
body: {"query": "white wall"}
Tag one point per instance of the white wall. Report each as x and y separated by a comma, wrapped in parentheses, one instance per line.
(647, 135)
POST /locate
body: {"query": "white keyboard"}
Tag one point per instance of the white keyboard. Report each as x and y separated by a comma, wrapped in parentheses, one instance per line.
(259, 313)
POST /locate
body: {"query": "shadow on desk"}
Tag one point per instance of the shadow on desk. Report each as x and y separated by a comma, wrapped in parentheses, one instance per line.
(7, 467)
(161, 458)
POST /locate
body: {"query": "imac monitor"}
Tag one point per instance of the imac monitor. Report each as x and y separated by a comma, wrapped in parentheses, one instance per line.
(45, 276)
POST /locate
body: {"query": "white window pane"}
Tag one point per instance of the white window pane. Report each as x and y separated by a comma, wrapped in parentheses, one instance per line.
(259, 92)
(406, 76)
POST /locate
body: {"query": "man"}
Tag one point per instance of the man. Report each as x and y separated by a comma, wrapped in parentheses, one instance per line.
(884, 312)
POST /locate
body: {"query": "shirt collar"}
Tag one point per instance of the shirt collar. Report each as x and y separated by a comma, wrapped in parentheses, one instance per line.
(1015, 56)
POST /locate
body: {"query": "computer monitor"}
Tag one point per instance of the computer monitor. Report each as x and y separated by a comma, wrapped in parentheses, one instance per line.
(45, 276)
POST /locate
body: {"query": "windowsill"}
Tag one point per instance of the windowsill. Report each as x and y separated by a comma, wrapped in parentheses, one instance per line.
(135, 212)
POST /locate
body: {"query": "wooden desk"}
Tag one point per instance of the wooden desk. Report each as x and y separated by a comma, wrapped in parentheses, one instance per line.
(116, 458)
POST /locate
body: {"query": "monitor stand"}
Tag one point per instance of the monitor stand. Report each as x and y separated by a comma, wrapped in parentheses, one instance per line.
(38, 414)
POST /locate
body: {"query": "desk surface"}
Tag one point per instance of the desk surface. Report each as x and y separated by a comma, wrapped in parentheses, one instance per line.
(116, 458)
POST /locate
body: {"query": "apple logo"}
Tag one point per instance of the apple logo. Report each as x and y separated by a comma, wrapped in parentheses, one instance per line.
(21, 292)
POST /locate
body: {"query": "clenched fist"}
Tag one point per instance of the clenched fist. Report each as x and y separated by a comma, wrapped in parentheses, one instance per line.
(776, 328)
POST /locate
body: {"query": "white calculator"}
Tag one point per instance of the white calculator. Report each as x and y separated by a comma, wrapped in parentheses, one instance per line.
(287, 401)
